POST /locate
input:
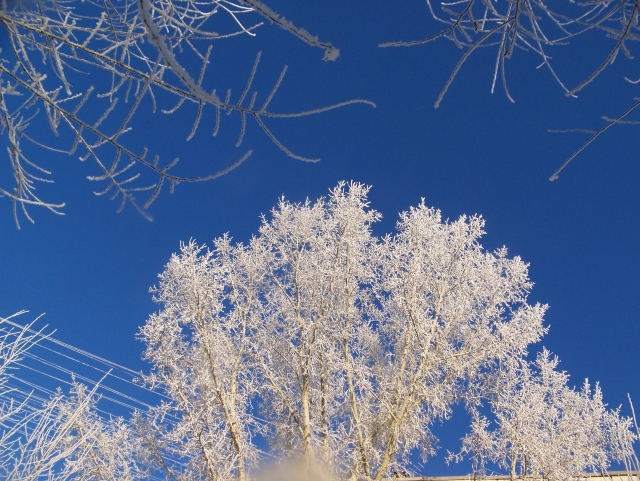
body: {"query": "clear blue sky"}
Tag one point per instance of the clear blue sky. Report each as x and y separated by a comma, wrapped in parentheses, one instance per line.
(90, 270)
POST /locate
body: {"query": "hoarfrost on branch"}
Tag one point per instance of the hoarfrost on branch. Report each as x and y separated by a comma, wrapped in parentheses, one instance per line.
(145, 49)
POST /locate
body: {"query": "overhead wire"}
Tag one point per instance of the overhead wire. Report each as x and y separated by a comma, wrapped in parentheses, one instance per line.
(52, 363)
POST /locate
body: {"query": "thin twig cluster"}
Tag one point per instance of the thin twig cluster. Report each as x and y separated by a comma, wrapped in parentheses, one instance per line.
(535, 26)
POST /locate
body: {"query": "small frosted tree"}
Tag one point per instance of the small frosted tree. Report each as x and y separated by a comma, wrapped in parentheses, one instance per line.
(352, 345)
(60, 437)
(543, 429)
(95, 447)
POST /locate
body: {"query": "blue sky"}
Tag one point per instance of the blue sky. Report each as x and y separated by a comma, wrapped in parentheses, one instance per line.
(90, 270)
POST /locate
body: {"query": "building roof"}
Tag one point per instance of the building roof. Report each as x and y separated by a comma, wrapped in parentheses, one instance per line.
(609, 476)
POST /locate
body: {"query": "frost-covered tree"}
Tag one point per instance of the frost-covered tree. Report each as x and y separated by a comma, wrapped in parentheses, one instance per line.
(153, 51)
(541, 428)
(339, 349)
(199, 345)
(335, 345)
